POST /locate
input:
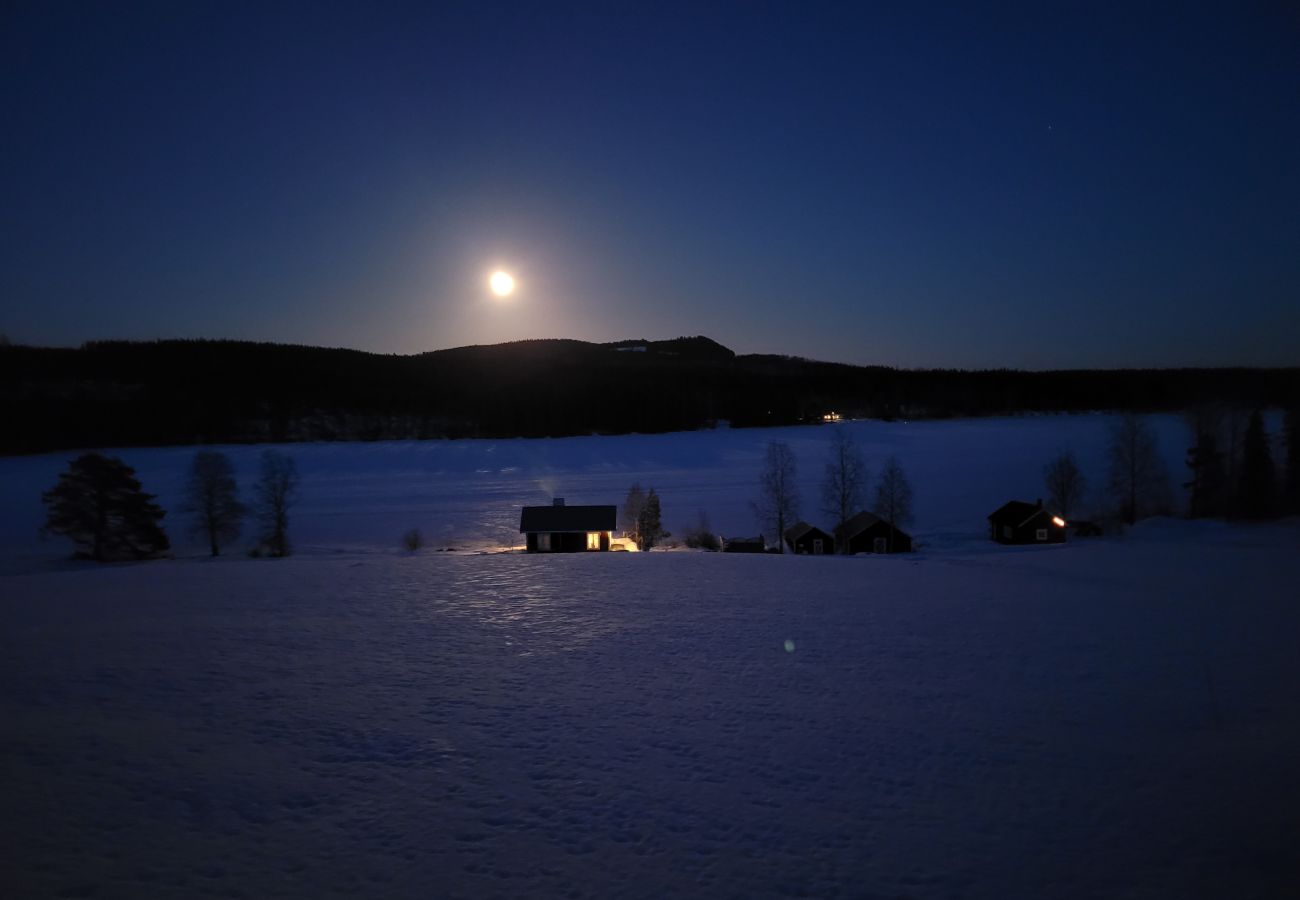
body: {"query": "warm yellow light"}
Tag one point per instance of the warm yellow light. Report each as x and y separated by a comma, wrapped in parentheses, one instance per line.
(1058, 521)
(502, 284)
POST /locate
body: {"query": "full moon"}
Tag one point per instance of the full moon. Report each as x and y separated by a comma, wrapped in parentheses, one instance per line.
(502, 284)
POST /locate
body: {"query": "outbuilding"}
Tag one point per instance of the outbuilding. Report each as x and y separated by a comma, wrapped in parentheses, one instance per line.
(1017, 522)
(868, 533)
(567, 529)
(804, 538)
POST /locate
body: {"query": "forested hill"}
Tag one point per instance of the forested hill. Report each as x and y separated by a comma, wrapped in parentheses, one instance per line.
(107, 394)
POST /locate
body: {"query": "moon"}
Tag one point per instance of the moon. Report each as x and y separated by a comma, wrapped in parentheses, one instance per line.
(502, 283)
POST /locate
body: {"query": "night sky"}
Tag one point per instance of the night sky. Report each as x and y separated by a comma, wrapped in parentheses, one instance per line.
(1045, 186)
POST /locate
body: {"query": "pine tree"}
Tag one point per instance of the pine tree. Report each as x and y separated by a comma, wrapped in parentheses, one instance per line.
(1257, 493)
(1205, 489)
(100, 505)
(213, 498)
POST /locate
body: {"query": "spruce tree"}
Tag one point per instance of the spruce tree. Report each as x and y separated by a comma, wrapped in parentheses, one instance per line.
(650, 527)
(100, 505)
(1257, 494)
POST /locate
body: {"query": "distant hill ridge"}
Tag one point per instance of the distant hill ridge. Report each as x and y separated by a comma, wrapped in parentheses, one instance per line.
(128, 393)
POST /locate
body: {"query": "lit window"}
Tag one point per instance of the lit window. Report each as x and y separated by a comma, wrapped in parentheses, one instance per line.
(593, 540)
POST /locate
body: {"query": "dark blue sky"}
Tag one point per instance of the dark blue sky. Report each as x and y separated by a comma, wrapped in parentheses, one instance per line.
(1045, 186)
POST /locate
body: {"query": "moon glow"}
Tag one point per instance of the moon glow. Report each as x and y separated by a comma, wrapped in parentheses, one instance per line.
(502, 284)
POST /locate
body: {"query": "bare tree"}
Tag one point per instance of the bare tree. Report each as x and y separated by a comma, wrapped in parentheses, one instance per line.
(1065, 483)
(630, 516)
(213, 498)
(893, 498)
(844, 483)
(778, 495)
(276, 491)
(1138, 481)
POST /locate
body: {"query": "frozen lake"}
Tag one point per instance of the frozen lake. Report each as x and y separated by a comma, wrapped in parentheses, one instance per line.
(467, 494)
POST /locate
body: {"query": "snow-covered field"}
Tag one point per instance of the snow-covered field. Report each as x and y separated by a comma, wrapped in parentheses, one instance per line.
(1108, 718)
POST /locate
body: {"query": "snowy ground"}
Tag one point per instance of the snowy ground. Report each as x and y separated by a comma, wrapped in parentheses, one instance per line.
(1116, 719)
(1108, 718)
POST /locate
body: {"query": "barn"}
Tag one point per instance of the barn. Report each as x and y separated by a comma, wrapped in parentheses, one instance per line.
(868, 533)
(567, 529)
(804, 538)
(1017, 522)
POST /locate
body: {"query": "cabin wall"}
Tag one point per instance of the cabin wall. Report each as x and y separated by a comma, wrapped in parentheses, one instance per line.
(1028, 533)
(564, 542)
(864, 541)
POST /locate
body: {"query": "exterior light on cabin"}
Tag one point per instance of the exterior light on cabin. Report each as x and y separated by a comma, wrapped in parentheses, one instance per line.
(1058, 521)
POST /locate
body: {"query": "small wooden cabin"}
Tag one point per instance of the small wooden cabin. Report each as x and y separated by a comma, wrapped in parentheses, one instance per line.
(868, 533)
(567, 529)
(1017, 522)
(804, 538)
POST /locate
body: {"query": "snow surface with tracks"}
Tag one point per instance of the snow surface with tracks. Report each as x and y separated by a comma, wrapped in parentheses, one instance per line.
(1108, 718)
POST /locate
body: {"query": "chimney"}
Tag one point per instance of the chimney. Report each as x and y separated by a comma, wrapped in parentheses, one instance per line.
(559, 501)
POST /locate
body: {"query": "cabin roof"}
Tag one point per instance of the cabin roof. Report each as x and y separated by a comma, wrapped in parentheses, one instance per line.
(802, 529)
(1016, 513)
(568, 518)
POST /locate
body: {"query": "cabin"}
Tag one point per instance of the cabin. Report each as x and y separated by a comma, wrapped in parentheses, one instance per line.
(567, 529)
(1017, 522)
(804, 538)
(868, 533)
(744, 545)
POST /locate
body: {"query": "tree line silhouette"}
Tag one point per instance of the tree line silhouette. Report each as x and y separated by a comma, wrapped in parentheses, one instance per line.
(199, 391)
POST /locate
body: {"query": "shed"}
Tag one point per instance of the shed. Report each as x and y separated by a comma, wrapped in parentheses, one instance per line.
(1017, 522)
(868, 533)
(804, 538)
(567, 529)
